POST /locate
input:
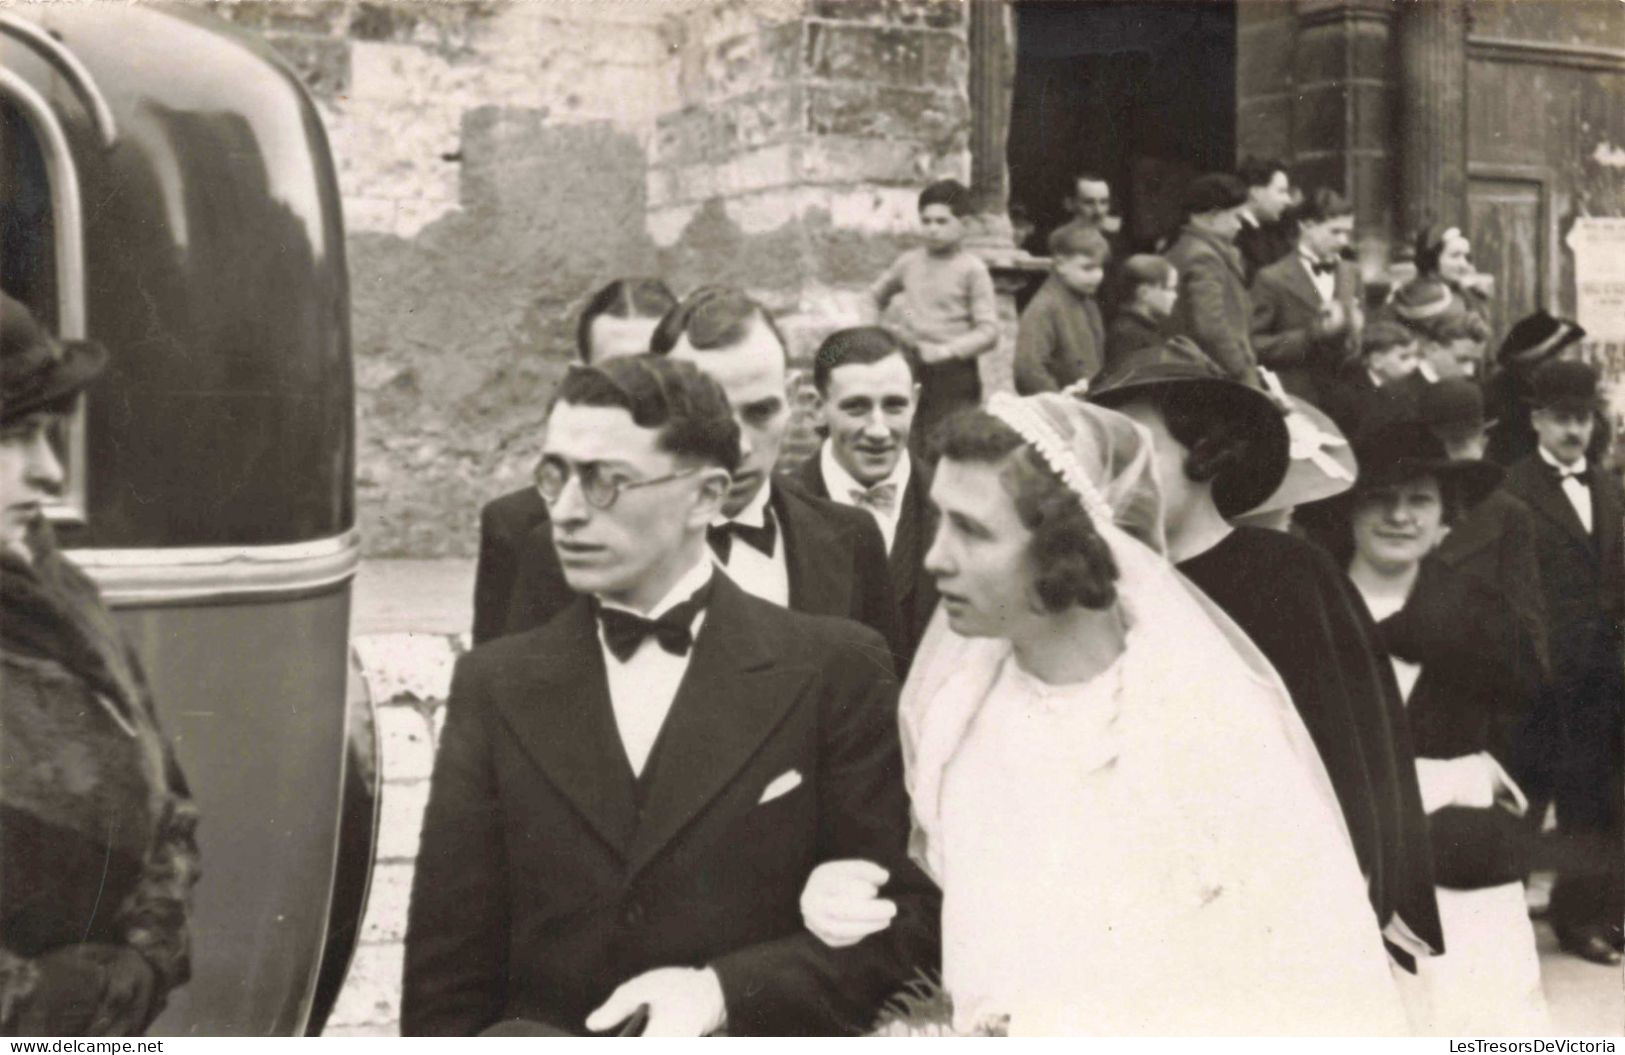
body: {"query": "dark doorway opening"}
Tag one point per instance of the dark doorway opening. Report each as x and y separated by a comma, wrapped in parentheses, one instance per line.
(1142, 92)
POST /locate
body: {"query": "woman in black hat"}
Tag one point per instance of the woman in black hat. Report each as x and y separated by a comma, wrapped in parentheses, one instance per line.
(1454, 646)
(97, 855)
(1223, 449)
(1532, 342)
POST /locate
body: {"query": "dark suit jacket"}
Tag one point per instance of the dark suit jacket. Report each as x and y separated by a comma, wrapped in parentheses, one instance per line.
(1131, 341)
(541, 885)
(505, 523)
(835, 556)
(1263, 245)
(916, 527)
(1582, 573)
(1213, 308)
(1285, 307)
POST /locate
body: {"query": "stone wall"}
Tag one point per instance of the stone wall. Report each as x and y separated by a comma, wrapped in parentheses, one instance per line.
(499, 160)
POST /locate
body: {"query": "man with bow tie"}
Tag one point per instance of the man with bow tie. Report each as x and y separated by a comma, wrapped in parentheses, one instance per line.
(867, 379)
(772, 538)
(1306, 315)
(627, 802)
(1571, 750)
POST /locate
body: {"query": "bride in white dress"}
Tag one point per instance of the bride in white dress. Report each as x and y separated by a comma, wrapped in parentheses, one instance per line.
(1131, 828)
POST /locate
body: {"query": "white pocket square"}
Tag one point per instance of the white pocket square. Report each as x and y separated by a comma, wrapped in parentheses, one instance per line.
(782, 784)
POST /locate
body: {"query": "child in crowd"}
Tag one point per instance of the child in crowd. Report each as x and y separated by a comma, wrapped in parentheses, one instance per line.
(1062, 339)
(1452, 338)
(945, 306)
(1383, 384)
(1149, 286)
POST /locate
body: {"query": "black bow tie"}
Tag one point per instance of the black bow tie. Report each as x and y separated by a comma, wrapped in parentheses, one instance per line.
(625, 631)
(1324, 267)
(1582, 475)
(721, 536)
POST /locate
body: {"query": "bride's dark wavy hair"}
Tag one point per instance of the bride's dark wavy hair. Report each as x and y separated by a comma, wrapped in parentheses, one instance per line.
(1072, 564)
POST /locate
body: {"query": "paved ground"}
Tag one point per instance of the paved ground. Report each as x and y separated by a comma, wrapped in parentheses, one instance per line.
(409, 609)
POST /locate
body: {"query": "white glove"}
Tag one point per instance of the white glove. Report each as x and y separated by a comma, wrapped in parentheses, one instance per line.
(841, 903)
(683, 1002)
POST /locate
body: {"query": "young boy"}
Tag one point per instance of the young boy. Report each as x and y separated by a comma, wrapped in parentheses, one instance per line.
(1149, 286)
(1062, 339)
(1383, 383)
(946, 308)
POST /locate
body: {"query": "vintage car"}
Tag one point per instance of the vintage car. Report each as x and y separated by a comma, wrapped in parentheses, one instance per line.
(168, 192)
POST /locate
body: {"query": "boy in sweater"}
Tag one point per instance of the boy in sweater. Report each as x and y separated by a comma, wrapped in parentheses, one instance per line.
(945, 306)
(1062, 339)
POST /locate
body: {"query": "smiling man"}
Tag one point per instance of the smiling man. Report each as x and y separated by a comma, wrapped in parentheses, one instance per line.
(627, 801)
(868, 391)
(772, 538)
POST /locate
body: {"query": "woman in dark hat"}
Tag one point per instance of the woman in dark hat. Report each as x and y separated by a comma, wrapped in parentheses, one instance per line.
(1533, 341)
(97, 855)
(1455, 649)
(1223, 449)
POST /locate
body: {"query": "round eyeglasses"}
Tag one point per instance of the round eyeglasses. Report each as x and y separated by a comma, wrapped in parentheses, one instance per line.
(600, 489)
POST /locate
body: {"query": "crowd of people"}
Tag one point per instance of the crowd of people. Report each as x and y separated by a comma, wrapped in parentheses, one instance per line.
(1224, 678)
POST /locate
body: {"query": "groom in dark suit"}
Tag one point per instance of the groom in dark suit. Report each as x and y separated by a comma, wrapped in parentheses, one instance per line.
(773, 539)
(1572, 751)
(627, 802)
(868, 389)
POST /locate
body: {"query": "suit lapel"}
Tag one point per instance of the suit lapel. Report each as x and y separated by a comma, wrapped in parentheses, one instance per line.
(1226, 252)
(733, 695)
(1541, 489)
(558, 708)
(812, 556)
(811, 475)
(916, 524)
(1296, 281)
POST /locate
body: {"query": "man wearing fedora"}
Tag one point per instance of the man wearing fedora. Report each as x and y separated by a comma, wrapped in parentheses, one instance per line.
(1213, 308)
(1571, 748)
(1223, 449)
(1532, 342)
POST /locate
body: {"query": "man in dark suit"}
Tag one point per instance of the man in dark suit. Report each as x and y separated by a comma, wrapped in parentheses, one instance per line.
(627, 802)
(1572, 751)
(774, 540)
(1306, 314)
(618, 320)
(1266, 235)
(867, 390)
(1213, 308)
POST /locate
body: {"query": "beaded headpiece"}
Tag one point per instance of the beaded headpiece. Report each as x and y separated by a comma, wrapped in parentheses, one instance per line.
(1054, 451)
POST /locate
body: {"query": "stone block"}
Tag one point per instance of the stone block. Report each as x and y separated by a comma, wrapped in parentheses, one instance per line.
(763, 58)
(319, 17)
(372, 990)
(850, 10)
(849, 159)
(947, 61)
(763, 118)
(1373, 118)
(935, 118)
(1264, 126)
(882, 55)
(1320, 119)
(323, 63)
(406, 668)
(400, 820)
(1264, 57)
(938, 14)
(406, 742)
(387, 901)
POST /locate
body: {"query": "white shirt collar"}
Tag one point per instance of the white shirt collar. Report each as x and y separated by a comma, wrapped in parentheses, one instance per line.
(755, 512)
(1576, 466)
(840, 484)
(690, 583)
(1247, 218)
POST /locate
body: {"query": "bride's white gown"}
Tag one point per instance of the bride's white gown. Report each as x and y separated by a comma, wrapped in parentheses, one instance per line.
(1143, 854)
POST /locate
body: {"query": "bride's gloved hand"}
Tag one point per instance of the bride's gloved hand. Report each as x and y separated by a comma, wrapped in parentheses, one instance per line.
(841, 903)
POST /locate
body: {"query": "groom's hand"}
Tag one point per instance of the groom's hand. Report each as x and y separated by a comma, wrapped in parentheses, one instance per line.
(682, 1001)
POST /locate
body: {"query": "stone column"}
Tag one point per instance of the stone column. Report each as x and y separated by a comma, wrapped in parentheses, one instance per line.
(992, 74)
(1433, 112)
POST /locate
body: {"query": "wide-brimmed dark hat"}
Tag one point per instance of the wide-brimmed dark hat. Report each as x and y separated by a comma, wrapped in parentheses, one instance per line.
(37, 371)
(1397, 451)
(1565, 384)
(1536, 338)
(1182, 367)
(1453, 405)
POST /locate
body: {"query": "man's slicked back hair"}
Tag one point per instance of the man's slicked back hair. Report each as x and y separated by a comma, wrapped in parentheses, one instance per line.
(950, 192)
(713, 318)
(687, 407)
(1258, 171)
(624, 298)
(859, 346)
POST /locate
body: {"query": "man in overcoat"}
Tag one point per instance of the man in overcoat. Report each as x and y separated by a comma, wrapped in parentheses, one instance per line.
(1213, 308)
(627, 802)
(1571, 751)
